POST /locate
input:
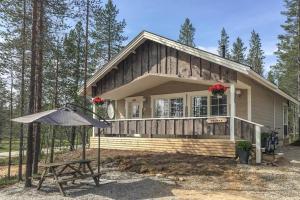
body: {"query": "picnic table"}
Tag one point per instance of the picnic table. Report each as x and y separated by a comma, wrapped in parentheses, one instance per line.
(57, 171)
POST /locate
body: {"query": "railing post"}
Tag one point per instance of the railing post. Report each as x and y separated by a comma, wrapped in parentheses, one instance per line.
(95, 130)
(258, 143)
(232, 111)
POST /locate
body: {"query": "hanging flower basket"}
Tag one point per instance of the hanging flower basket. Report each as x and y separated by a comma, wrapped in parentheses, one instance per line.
(217, 90)
(98, 101)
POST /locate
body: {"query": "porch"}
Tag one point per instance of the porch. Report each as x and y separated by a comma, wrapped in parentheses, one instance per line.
(194, 135)
(176, 114)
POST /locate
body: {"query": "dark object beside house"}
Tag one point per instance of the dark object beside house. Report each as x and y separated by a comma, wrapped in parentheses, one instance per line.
(243, 151)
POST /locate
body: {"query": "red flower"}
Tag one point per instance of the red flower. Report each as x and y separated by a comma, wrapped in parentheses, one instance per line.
(217, 89)
(98, 101)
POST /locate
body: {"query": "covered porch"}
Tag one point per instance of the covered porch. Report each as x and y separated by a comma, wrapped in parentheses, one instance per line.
(155, 106)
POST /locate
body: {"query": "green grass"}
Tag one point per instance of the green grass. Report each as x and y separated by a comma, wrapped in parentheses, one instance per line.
(5, 181)
(4, 145)
(14, 161)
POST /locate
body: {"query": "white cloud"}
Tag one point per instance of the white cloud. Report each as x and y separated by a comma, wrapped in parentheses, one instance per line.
(211, 49)
(269, 50)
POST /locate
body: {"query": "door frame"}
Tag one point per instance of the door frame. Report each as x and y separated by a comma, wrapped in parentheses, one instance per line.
(137, 100)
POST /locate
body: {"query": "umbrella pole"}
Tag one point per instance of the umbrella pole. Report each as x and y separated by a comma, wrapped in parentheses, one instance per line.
(98, 159)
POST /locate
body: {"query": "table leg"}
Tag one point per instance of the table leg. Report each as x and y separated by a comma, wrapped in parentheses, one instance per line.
(42, 178)
(96, 180)
(59, 185)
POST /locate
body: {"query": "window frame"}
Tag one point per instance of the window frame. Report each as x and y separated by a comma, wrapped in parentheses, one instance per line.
(207, 94)
(137, 100)
(168, 97)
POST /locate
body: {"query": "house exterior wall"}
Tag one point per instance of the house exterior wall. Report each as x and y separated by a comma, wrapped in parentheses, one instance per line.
(177, 87)
(267, 106)
(242, 104)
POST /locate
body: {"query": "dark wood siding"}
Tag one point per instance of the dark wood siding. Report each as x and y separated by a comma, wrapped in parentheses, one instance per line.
(154, 58)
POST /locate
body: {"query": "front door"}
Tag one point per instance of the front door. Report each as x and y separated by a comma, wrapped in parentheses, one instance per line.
(135, 110)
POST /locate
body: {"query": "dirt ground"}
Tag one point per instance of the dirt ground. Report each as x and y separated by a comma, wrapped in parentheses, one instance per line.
(146, 175)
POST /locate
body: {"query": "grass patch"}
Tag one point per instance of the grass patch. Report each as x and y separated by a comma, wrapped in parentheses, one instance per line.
(14, 161)
(4, 145)
(5, 181)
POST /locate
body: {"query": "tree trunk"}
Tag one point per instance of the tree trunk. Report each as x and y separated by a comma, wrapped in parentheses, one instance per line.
(21, 138)
(72, 139)
(29, 156)
(38, 86)
(55, 105)
(85, 73)
(10, 124)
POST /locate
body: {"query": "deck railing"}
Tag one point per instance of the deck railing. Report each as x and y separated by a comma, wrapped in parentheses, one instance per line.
(187, 127)
(177, 127)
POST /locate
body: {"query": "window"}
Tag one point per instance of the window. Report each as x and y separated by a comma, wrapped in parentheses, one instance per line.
(176, 107)
(199, 106)
(161, 108)
(135, 112)
(134, 107)
(218, 105)
(168, 107)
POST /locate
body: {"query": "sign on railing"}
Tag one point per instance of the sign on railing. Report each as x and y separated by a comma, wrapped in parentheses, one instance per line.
(216, 120)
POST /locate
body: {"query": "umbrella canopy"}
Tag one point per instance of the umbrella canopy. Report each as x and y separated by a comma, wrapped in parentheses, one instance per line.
(63, 117)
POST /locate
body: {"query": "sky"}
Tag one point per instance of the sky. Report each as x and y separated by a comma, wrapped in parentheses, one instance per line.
(238, 17)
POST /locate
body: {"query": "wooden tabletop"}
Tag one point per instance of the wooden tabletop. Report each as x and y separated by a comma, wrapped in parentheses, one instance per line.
(64, 163)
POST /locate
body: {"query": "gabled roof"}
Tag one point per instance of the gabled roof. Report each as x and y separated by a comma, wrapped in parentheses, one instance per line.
(145, 35)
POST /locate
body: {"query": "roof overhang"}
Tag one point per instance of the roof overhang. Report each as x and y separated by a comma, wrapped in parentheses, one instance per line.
(148, 81)
(143, 36)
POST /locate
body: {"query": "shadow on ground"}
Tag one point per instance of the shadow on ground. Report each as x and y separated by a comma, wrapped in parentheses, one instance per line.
(132, 189)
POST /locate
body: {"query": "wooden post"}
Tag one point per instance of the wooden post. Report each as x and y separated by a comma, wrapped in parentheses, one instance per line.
(95, 130)
(258, 143)
(232, 110)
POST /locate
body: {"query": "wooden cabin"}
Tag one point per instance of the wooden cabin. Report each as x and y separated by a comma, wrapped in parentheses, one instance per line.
(159, 101)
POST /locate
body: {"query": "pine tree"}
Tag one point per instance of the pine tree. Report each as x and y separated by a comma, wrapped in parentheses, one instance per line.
(109, 32)
(286, 69)
(224, 41)
(255, 58)
(187, 33)
(29, 152)
(238, 51)
(271, 77)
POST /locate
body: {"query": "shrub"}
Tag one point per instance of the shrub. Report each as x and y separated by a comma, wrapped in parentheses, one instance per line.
(264, 136)
(244, 145)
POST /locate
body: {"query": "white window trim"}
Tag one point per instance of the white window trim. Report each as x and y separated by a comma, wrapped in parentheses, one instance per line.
(203, 93)
(187, 101)
(168, 96)
(137, 99)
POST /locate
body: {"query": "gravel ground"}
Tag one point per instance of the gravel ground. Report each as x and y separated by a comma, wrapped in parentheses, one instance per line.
(232, 181)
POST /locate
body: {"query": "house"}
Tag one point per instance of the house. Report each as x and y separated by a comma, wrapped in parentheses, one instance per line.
(158, 97)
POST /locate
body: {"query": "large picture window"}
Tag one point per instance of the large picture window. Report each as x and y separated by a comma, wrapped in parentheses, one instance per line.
(168, 107)
(199, 106)
(218, 105)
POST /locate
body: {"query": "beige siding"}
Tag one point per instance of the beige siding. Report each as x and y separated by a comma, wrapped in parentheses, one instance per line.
(173, 87)
(242, 105)
(266, 105)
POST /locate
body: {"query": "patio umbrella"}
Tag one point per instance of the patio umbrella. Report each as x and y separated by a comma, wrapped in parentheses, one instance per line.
(62, 117)
(65, 116)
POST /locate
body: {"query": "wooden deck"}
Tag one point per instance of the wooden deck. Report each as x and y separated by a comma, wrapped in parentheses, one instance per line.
(207, 147)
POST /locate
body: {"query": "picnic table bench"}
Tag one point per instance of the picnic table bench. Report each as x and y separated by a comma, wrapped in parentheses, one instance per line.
(57, 171)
